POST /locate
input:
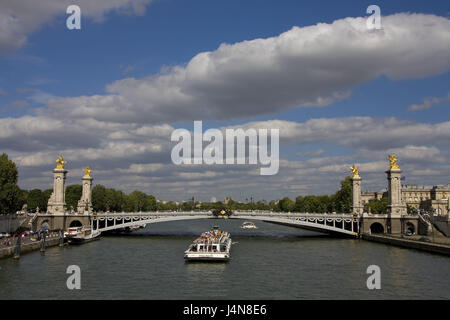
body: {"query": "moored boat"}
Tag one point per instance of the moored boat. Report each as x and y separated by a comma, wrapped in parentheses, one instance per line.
(213, 245)
(79, 235)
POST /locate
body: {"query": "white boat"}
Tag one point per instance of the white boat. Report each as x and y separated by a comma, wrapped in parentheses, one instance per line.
(248, 225)
(78, 235)
(214, 245)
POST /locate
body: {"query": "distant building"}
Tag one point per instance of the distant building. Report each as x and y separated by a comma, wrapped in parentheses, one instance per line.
(367, 196)
(420, 197)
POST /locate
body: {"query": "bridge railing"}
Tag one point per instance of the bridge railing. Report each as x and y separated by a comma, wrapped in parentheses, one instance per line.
(193, 213)
(344, 223)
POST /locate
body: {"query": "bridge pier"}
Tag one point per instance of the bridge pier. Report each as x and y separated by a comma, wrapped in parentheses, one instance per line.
(383, 223)
(42, 249)
(17, 248)
(62, 221)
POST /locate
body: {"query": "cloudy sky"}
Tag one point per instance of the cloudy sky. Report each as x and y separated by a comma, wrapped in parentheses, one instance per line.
(111, 94)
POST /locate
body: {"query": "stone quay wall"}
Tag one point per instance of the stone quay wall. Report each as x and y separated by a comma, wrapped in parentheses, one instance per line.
(10, 222)
(412, 244)
(28, 247)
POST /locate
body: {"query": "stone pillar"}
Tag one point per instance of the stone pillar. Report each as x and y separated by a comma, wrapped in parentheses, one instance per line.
(357, 207)
(85, 203)
(448, 208)
(396, 207)
(57, 203)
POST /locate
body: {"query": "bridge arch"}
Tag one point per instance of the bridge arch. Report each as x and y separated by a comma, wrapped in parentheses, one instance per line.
(334, 224)
(376, 227)
(75, 223)
(410, 227)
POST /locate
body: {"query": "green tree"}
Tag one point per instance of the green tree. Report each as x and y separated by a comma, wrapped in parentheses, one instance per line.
(46, 194)
(114, 200)
(286, 204)
(36, 198)
(168, 206)
(311, 204)
(137, 201)
(343, 198)
(377, 206)
(99, 198)
(23, 196)
(299, 204)
(150, 203)
(273, 205)
(10, 193)
(73, 194)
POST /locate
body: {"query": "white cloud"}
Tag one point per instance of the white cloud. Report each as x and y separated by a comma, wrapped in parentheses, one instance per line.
(141, 168)
(313, 153)
(125, 135)
(428, 103)
(309, 66)
(139, 156)
(20, 18)
(368, 132)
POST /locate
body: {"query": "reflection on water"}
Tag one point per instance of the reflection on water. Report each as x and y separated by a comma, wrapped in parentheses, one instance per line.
(271, 262)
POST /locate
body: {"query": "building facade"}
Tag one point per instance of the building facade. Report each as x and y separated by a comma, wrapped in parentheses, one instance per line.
(419, 197)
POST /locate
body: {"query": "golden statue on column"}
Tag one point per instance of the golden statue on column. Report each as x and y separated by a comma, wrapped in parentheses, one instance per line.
(355, 171)
(87, 172)
(60, 162)
(393, 162)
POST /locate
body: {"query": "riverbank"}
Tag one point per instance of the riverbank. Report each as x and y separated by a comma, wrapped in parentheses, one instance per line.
(8, 252)
(438, 248)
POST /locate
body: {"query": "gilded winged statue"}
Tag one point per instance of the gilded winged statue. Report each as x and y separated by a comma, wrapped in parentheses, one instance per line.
(60, 162)
(355, 171)
(87, 171)
(393, 162)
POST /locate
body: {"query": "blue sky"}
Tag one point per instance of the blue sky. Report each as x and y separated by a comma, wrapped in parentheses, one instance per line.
(55, 61)
(70, 63)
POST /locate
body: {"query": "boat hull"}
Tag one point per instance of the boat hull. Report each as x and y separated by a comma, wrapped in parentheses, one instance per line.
(81, 240)
(206, 257)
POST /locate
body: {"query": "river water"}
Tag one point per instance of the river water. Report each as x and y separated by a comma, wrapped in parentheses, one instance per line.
(271, 262)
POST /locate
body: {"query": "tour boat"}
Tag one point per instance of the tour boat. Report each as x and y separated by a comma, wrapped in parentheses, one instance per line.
(213, 245)
(78, 235)
(248, 225)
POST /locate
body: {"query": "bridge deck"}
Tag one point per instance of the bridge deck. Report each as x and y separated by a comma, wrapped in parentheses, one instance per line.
(345, 224)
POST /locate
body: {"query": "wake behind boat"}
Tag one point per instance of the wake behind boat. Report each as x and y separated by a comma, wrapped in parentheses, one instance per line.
(79, 235)
(213, 245)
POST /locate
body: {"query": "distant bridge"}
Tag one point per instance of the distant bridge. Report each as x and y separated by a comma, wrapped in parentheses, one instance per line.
(344, 224)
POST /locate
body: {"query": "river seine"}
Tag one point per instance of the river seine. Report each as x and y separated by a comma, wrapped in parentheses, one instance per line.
(271, 262)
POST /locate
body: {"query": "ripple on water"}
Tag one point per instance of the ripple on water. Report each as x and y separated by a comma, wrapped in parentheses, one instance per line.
(272, 262)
